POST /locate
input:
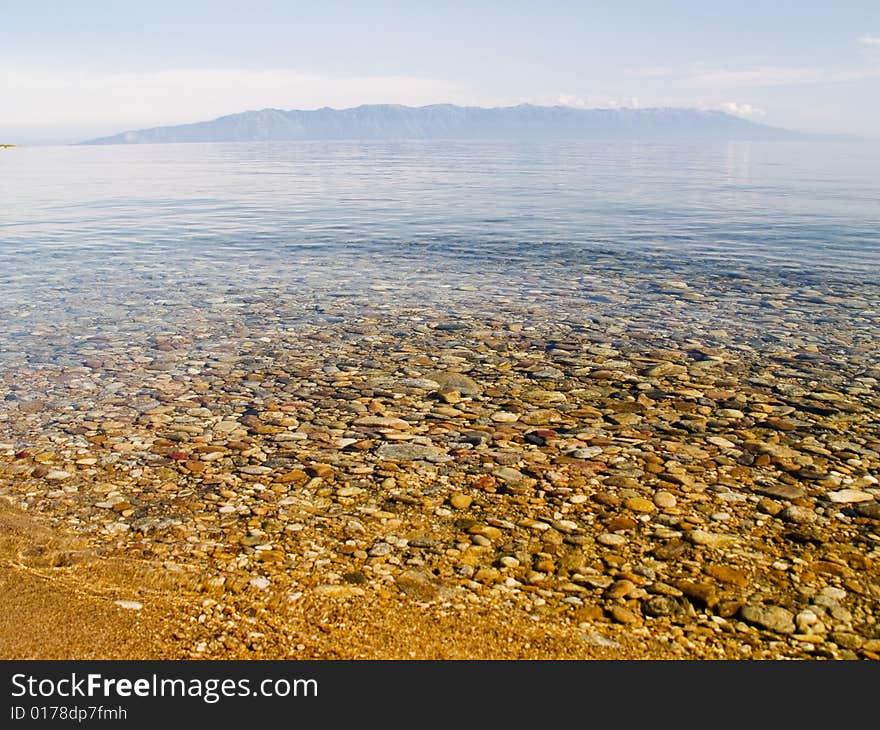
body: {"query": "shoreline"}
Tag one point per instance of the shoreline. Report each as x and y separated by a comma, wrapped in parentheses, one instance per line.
(80, 604)
(471, 487)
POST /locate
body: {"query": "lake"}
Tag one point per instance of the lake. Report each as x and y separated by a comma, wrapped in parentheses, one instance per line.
(552, 381)
(93, 225)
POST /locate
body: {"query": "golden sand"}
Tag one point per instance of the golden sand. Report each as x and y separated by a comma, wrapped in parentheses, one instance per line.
(58, 601)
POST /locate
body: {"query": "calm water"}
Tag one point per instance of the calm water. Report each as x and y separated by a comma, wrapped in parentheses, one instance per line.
(808, 205)
(128, 240)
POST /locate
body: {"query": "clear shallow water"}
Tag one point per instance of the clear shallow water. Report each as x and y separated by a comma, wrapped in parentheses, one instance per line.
(133, 240)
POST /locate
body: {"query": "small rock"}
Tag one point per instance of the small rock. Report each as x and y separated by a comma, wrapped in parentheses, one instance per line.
(798, 515)
(611, 540)
(460, 501)
(640, 504)
(411, 452)
(726, 574)
(657, 606)
(418, 585)
(711, 539)
(772, 618)
(844, 496)
(588, 452)
(782, 491)
(620, 589)
(623, 615)
(130, 605)
(871, 510)
(702, 593)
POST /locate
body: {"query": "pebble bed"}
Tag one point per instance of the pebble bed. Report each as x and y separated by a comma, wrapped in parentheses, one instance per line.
(629, 444)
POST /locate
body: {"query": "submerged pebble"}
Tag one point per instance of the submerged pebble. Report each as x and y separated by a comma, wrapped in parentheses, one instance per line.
(679, 455)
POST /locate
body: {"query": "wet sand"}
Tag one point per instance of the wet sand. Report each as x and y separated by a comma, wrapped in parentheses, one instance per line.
(58, 601)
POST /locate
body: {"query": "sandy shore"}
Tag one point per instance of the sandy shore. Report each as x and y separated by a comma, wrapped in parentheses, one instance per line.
(60, 600)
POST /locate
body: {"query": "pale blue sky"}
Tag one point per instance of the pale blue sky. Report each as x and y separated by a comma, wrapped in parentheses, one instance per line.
(70, 70)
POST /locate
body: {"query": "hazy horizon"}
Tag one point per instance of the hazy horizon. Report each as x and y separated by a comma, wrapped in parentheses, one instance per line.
(74, 72)
(119, 132)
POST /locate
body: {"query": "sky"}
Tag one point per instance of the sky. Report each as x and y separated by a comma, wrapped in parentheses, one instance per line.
(76, 70)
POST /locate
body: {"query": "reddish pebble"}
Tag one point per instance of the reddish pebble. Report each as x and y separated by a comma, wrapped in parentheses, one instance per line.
(178, 455)
(485, 482)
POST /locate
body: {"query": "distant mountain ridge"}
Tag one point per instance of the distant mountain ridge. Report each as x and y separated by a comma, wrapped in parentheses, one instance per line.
(448, 121)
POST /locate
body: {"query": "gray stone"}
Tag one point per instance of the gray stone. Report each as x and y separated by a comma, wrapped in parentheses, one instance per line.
(846, 640)
(420, 383)
(772, 618)
(456, 381)
(380, 549)
(798, 515)
(869, 509)
(662, 606)
(849, 496)
(588, 452)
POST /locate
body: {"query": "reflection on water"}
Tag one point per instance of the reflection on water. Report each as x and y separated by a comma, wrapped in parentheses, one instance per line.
(791, 201)
(137, 239)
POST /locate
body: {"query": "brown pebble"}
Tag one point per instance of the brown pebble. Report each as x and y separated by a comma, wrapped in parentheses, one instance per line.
(589, 613)
(769, 506)
(726, 574)
(294, 475)
(620, 589)
(324, 471)
(702, 593)
(606, 498)
(669, 551)
(623, 615)
(640, 504)
(620, 523)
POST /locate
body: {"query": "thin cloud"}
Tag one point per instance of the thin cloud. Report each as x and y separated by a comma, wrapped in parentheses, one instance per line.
(591, 102)
(703, 76)
(870, 40)
(775, 76)
(742, 110)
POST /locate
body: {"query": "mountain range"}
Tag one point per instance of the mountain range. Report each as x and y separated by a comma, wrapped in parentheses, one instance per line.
(448, 121)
